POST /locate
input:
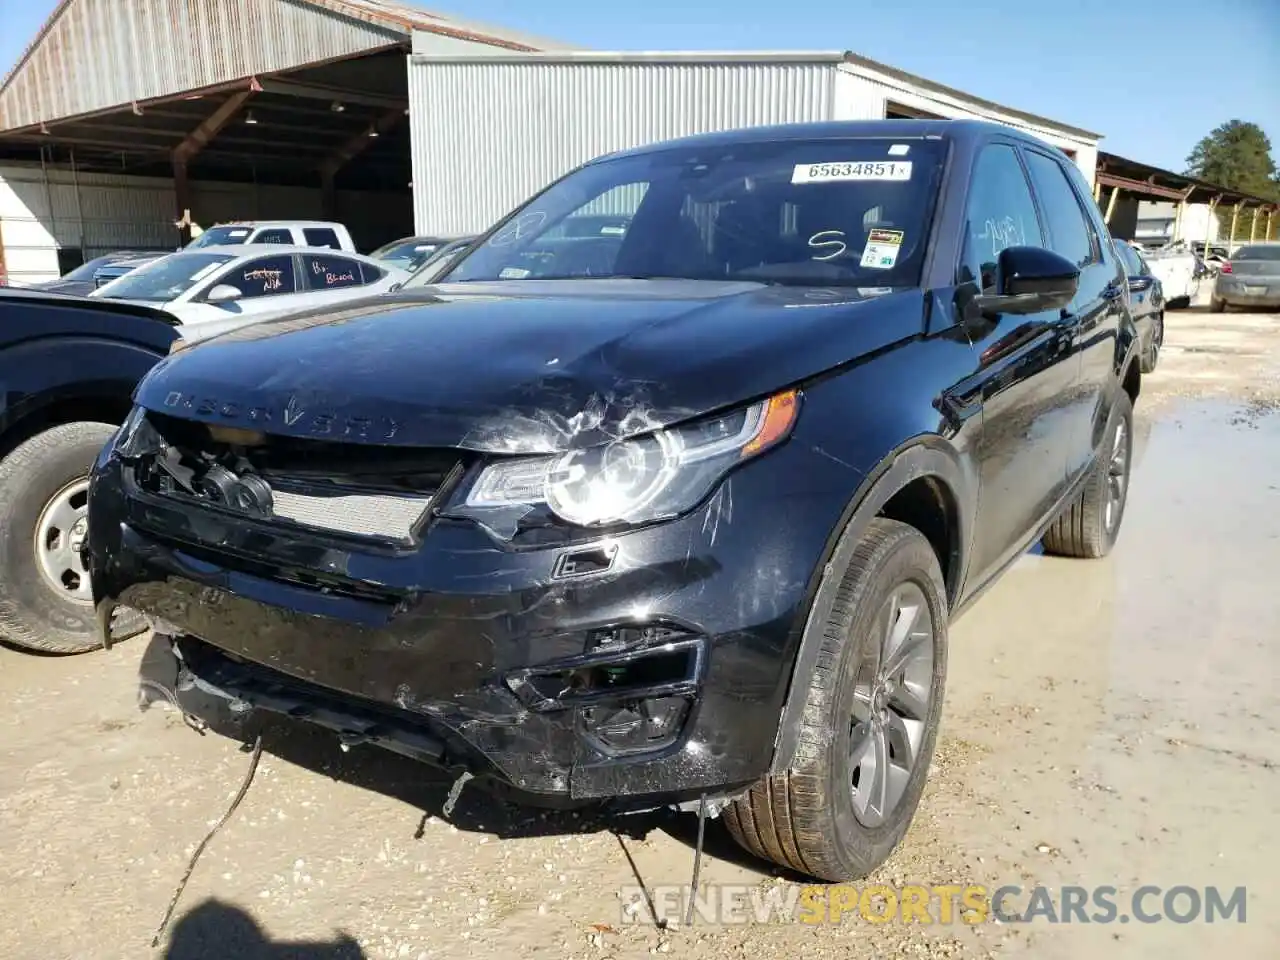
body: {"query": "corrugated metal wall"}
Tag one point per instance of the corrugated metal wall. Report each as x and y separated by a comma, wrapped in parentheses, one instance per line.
(487, 135)
(104, 53)
(41, 212)
(861, 95)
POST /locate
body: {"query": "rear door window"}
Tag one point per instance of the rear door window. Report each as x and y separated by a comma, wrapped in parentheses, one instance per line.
(321, 237)
(1070, 234)
(263, 277)
(330, 273)
(274, 235)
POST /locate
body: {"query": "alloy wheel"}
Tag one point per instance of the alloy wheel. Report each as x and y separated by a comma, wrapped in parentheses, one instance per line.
(1117, 478)
(891, 701)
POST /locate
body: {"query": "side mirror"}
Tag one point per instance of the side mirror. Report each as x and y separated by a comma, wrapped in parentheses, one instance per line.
(1030, 280)
(1141, 284)
(222, 293)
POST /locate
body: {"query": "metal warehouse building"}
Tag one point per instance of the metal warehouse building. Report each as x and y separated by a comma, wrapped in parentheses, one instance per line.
(120, 116)
(517, 121)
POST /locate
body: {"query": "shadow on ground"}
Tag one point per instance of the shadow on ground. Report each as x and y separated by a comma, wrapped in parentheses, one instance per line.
(214, 930)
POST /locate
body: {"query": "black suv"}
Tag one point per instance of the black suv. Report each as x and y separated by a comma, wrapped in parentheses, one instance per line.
(672, 514)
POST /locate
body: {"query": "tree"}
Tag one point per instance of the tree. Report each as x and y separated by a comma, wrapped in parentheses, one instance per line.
(1237, 155)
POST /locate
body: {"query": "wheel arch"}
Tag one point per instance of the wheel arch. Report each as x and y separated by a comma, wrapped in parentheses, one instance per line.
(47, 385)
(922, 484)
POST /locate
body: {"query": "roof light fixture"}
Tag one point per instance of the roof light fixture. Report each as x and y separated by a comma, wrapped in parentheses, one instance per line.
(250, 118)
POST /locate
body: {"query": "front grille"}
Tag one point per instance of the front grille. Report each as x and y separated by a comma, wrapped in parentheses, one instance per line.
(350, 489)
(392, 516)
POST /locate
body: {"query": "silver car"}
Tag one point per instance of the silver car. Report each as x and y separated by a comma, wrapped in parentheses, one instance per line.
(1251, 278)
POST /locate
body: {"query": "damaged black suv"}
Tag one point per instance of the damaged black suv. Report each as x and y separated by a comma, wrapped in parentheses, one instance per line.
(666, 494)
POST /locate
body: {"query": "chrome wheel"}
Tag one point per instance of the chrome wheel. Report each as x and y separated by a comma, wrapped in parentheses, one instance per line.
(59, 537)
(891, 699)
(1117, 478)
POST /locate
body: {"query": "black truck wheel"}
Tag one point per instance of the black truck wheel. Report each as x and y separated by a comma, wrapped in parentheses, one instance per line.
(870, 719)
(1088, 527)
(45, 600)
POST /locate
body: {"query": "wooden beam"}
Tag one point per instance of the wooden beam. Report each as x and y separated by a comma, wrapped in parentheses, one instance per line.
(199, 138)
(361, 142)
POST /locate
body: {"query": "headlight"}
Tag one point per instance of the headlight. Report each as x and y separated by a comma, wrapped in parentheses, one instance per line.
(648, 478)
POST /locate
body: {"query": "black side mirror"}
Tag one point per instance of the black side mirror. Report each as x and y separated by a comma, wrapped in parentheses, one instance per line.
(1030, 280)
(1141, 284)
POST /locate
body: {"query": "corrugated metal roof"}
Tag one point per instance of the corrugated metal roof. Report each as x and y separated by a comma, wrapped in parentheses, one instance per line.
(94, 55)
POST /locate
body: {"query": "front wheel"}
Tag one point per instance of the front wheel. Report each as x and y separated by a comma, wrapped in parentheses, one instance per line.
(870, 719)
(45, 598)
(1090, 524)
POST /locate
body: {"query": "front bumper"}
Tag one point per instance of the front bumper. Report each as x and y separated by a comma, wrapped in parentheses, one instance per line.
(467, 653)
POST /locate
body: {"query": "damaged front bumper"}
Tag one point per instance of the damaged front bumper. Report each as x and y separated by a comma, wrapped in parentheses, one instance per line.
(653, 665)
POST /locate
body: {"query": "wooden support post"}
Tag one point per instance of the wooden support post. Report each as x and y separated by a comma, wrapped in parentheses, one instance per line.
(1177, 221)
(1235, 216)
(1253, 225)
(182, 198)
(1111, 205)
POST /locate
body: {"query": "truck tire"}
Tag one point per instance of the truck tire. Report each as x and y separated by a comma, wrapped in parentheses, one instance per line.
(1089, 525)
(869, 728)
(45, 603)
(1217, 306)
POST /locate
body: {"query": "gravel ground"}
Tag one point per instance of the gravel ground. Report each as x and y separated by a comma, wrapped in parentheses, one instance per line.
(1107, 723)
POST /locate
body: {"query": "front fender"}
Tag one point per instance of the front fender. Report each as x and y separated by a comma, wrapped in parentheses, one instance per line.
(38, 373)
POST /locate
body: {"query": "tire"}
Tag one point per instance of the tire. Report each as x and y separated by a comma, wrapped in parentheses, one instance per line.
(1083, 529)
(44, 471)
(1217, 306)
(1178, 303)
(807, 819)
(1151, 356)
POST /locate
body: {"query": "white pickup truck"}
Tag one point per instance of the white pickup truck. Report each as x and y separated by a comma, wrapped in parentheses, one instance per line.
(291, 233)
(1176, 271)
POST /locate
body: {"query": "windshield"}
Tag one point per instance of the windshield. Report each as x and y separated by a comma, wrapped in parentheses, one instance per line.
(408, 254)
(805, 212)
(221, 237)
(166, 279)
(86, 270)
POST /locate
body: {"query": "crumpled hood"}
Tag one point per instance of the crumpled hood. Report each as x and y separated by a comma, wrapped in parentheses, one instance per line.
(525, 366)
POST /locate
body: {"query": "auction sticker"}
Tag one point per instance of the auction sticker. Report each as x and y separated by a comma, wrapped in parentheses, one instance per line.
(860, 170)
(881, 251)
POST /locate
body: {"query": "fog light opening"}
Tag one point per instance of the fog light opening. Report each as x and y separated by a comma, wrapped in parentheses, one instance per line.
(634, 726)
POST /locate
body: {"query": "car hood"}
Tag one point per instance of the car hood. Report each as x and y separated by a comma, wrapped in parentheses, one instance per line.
(525, 366)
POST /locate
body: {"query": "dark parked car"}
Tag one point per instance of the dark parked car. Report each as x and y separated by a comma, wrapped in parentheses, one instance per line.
(80, 281)
(68, 366)
(676, 516)
(1146, 303)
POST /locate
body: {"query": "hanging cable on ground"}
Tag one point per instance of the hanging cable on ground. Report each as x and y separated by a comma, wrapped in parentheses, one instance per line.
(195, 857)
(697, 860)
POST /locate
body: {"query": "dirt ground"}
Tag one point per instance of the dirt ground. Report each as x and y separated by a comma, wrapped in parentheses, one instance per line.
(1107, 723)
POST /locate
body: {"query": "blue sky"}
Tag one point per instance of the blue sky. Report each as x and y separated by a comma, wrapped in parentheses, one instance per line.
(1152, 77)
